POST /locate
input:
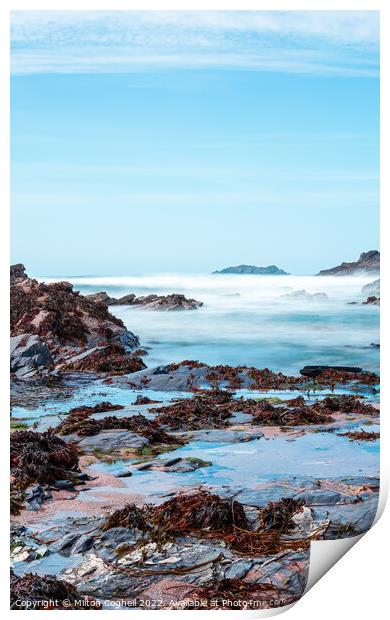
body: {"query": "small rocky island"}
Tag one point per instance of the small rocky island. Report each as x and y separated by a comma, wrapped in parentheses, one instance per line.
(271, 270)
(368, 261)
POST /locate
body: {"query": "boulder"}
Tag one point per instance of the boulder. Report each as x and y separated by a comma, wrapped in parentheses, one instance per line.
(29, 355)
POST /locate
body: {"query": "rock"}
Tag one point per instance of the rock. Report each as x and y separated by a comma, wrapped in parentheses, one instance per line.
(373, 301)
(65, 543)
(17, 273)
(64, 485)
(29, 355)
(125, 300)
(314, 371)
(124, 474)
(177, 465)
(239, 569)
(271, 270)
(372, 288)
(368, 261)
(102, 298)
(35, 496)
(112, 441)
(83, 544)
(115, 536)
(304, 295)
(324, 497)
(168, 303)
(225, 436)
(51, 324)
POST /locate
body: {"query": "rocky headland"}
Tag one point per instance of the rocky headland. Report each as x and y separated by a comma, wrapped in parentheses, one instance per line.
(54, 328)
(367, 262)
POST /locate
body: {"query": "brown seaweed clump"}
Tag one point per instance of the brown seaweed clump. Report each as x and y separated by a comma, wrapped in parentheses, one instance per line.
(36, 592)
(145, 400)
(83, 425)
(193, 414)
(238, 594)
(333, 377)
(98, 408)
(346, 404)
(113, 359)
(131, 516)
(41, 457)
(200, 510)
(206, 515)
(278, 515)
(361, 435)
(269, 415)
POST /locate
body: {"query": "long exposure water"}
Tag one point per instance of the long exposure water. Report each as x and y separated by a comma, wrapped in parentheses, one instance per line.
(252, 320)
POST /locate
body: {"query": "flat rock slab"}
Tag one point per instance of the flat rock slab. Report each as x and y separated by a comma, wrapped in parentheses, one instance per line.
(175, 465)
(111, 441)
(225, 436)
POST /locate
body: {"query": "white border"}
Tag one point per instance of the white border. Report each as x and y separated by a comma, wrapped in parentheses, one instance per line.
(356, 586)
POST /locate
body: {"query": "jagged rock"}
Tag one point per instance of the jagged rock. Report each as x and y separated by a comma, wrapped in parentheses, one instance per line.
(368, 261)
(29, 355)
(372, 301)
(17, 273)
(167, 302)
(372, 288)
(172, 302)
(102, 298)
(52, 325)
(272, 270)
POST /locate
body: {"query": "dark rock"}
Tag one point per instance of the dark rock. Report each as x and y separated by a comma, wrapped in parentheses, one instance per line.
(83, 544)
(102, 298)
(17, 273)
(29, 355)
(64, 485)
(368, 261)
(314, 371)
(53, 324)
(116, 535)
(253, 270)
(373, 301)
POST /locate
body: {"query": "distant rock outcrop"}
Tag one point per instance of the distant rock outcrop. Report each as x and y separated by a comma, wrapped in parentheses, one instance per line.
(372, 288)
(305, 296)
(368, 261)
(55, 328)
(271, 270)
(167, 303)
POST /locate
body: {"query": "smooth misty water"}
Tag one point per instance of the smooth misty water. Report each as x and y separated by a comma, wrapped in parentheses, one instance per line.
(246, 320)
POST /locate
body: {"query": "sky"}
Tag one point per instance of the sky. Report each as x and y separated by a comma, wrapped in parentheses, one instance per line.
(187, 141)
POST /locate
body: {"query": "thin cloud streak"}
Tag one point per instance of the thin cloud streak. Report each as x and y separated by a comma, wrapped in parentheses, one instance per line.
(325, 42)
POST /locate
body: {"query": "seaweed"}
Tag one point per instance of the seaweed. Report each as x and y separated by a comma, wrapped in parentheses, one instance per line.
(346, 404)
(361, 435)
(83, 425)
(199, 510)
(35, 592)
(236, 594)
(113, 359)
(42, 458)
(278, 515)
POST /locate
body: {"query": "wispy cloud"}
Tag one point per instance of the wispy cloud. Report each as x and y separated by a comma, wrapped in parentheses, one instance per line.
(325, 42)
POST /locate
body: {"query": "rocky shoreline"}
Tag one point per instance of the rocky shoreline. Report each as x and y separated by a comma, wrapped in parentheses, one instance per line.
(131, 493)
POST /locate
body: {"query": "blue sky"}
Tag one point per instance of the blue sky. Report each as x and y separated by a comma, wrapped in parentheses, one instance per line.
(188, 141)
